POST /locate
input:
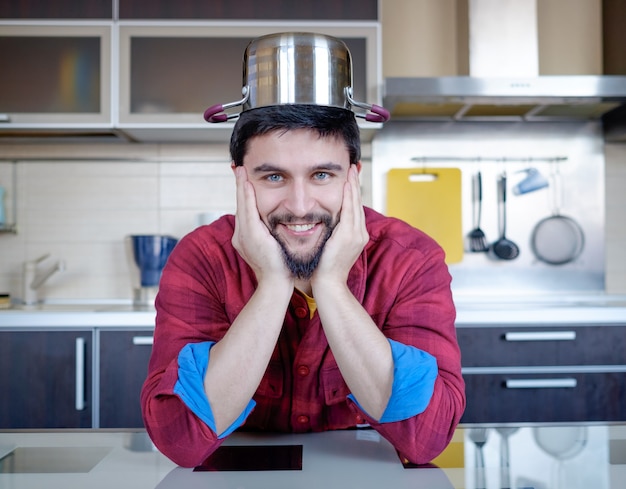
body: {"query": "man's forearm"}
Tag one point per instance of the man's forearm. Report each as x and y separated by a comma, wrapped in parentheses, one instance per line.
(361, 350)
(238, 361)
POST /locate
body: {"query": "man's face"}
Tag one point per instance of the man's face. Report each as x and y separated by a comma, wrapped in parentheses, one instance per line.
(298, 179)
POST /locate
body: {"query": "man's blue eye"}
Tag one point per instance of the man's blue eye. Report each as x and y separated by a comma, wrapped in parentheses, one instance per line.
(322, 175)
(274, 178)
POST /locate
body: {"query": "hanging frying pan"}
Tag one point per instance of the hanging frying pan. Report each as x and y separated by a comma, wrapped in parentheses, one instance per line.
(557, 239)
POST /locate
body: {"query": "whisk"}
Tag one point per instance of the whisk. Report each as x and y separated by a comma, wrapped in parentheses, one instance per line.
(476, 237)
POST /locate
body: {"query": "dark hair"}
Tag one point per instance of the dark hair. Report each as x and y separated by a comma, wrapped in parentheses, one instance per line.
(326, 121)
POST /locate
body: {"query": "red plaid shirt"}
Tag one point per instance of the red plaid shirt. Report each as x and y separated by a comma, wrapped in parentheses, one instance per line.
(400, 279)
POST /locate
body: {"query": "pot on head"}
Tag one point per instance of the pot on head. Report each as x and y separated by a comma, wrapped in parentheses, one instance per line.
(296, 68)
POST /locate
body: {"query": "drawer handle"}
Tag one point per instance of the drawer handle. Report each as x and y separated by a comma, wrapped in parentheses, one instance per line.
(541, 383)
(540, 336)
(143, 340)
(80, 374)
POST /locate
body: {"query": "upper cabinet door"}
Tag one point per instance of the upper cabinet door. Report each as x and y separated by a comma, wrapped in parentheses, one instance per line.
(55, 75)
(57, 9)
(169, 74)
(245, 9)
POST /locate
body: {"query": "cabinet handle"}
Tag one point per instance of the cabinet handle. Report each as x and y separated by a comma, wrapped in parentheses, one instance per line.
(80, 374)
(142, 340)
(540, 336)
(540, 383)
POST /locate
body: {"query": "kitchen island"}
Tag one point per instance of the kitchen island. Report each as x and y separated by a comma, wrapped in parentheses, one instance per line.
(578, 456)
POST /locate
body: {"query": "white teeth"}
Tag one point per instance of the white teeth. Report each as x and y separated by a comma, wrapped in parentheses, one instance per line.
(299, 228)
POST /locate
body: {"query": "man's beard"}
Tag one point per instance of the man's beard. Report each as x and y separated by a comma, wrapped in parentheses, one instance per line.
(302, 267)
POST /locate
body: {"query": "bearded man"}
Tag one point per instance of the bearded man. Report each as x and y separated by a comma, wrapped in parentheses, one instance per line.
(305, 311)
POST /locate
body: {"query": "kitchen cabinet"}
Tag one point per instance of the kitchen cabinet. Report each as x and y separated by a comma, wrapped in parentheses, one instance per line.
(62, 78)
(45, 379)
(55, 76)
(244, 9)
(56, 9)
(123, 367)
(544, 373)
(170, 73)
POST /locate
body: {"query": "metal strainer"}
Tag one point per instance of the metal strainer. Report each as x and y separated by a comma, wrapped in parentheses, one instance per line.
(557, 239)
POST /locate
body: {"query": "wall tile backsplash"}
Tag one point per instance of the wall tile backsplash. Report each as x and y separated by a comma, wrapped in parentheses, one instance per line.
(80, 211)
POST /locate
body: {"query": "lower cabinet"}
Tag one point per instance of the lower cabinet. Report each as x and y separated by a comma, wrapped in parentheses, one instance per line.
(544, 373)
(564, 397)
(124, 357)
(45, 379)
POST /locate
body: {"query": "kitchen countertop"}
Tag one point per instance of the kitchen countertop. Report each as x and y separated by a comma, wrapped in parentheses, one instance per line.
(541, 457)
(80, 314)
(471, 310)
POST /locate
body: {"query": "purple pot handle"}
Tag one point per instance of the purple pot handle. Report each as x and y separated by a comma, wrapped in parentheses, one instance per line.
(380, 114)
(212, 114)
(215, 113)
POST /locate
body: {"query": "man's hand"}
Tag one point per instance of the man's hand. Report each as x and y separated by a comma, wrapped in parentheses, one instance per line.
(251, 238)
(349, 236)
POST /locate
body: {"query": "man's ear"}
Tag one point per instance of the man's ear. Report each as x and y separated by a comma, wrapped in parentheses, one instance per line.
(358, 167)
(232, 165)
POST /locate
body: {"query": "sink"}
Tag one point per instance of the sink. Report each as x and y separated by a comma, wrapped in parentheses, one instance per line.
(48, 460)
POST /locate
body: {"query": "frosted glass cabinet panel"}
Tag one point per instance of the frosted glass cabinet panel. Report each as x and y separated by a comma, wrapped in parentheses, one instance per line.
(172, 74)
(54, 74)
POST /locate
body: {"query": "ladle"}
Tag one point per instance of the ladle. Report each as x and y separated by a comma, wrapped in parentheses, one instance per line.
(503, 248)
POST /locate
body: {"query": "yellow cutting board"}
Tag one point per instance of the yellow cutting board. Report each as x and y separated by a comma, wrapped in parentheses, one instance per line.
(430, 200)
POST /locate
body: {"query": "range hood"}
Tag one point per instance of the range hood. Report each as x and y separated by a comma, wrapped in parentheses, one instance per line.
(504, 82)
(520, 98)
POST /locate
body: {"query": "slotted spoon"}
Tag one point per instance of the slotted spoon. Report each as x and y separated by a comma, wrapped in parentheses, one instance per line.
(476, 237)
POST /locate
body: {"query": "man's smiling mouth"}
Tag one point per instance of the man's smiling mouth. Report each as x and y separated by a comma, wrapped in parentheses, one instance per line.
(300, 228)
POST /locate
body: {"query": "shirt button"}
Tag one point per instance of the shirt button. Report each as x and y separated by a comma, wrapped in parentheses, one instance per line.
(301, 312)
(302, 419)
(303, 370)
(359, 419)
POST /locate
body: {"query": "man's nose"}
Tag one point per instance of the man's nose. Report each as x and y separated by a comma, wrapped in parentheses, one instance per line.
(300, 199)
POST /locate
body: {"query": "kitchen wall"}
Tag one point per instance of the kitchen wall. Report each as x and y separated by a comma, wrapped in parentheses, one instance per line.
(80, 209)
(426, 38)
(79, 202)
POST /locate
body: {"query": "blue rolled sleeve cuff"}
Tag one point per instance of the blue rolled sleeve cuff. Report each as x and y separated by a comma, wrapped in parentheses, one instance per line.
(414, 375)
(193, 360)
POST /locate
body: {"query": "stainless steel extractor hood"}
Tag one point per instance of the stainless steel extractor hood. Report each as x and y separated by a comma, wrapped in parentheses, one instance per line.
(497, 89)
(528, 98)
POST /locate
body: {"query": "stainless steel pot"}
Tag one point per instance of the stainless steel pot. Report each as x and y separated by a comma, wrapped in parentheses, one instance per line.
(296, 68)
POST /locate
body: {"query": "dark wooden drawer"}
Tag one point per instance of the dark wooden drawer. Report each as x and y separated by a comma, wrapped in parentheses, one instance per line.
(546, 345)
(506, 398)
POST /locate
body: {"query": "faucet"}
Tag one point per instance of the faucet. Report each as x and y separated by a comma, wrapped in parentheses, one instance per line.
(33, 280)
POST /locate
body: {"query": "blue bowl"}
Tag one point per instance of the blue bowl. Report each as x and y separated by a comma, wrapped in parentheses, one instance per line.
(151, 253)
